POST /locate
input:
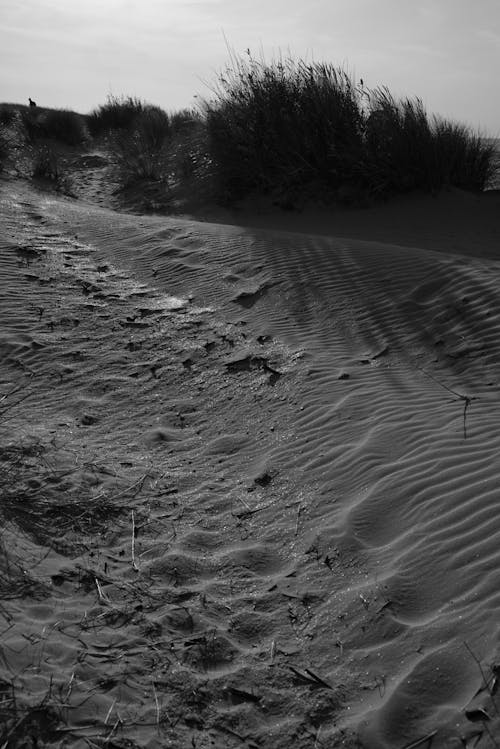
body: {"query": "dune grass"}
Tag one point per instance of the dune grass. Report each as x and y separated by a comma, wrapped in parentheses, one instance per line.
(290, 128)
(61, 125)
(118, 113)
(141, 150)
(48, 166)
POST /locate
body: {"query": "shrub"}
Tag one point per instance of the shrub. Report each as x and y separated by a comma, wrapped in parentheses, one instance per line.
(283, 125)
(118, 113)
(185, 120)
(8, 115)
(141, 152)
(405, 150)
(296, 129)
(64, 126)
(47, 166)
(31, 123)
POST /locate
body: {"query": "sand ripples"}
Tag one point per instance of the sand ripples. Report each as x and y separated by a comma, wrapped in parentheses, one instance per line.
(341, 516)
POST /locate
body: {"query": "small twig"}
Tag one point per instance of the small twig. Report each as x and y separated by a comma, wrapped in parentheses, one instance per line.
(109, 712)
(485, 680)
(156, 704)
(103, 598)
(466, 405)
(134, 565)
(316, 741)
(245, 503)
(70, 686)
(299, 510)
(110, 735)
(421, 741)
(273, 649)
(310, 677)
(124, 491)
(466, 398)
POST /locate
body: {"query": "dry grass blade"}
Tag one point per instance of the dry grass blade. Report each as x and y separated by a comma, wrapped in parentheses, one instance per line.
(311, 678)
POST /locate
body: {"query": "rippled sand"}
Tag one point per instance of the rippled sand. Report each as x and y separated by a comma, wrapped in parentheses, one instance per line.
(303, 431)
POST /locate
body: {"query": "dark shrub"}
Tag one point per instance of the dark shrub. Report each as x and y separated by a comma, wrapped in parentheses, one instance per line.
(31, 123)
(63, 126)
(118, 113)
(8, 115)
(48, 166)
(299, 130)
(405, 150)
(184, 120)
(284, 125)
(141, 151)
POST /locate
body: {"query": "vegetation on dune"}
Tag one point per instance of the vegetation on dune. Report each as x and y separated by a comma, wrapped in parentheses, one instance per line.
(64, 126)
(404, 149)
(118, 113)
(48, 166)
(61, 125)
(141, 150)
(293, 128)
(4, 147)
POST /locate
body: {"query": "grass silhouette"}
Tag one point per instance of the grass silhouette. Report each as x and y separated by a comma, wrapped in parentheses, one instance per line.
(295, 131)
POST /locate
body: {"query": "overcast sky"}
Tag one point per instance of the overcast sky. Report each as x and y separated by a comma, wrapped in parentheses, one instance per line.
(73, 53)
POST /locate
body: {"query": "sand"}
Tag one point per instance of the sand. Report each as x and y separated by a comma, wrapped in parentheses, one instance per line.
(249, 476)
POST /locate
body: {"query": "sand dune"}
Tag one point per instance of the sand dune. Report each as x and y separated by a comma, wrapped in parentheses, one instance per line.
(306, 428)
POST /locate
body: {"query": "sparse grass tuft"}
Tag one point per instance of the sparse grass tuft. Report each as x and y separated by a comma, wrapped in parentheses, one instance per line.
(47, 165)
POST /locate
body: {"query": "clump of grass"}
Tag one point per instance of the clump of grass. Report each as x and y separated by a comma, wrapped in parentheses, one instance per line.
(406, 150)
(47, 166)
(295, 129)
(283, 126)
(31, 124)
(118, 113)
(141, 150)
(64, 126)
(8, 115)
(61, 125)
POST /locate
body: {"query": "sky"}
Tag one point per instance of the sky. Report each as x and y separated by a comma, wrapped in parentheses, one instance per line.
(74, 53)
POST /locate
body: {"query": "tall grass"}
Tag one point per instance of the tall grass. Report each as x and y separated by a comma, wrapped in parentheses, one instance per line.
(64, 126)
(141, 150)
(61, 125)
(291, 128)
(48, 166)
(405, 149)
(283, 126)
(118, 113)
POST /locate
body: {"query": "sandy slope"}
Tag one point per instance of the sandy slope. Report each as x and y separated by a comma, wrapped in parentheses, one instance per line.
(303, 431)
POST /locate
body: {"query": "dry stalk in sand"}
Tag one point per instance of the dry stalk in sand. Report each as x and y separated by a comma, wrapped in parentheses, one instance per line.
(157, 705)
(487, 686)
(467, 399)
(134, 565)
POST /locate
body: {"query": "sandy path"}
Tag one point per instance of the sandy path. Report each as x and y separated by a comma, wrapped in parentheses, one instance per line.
(285, 416)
